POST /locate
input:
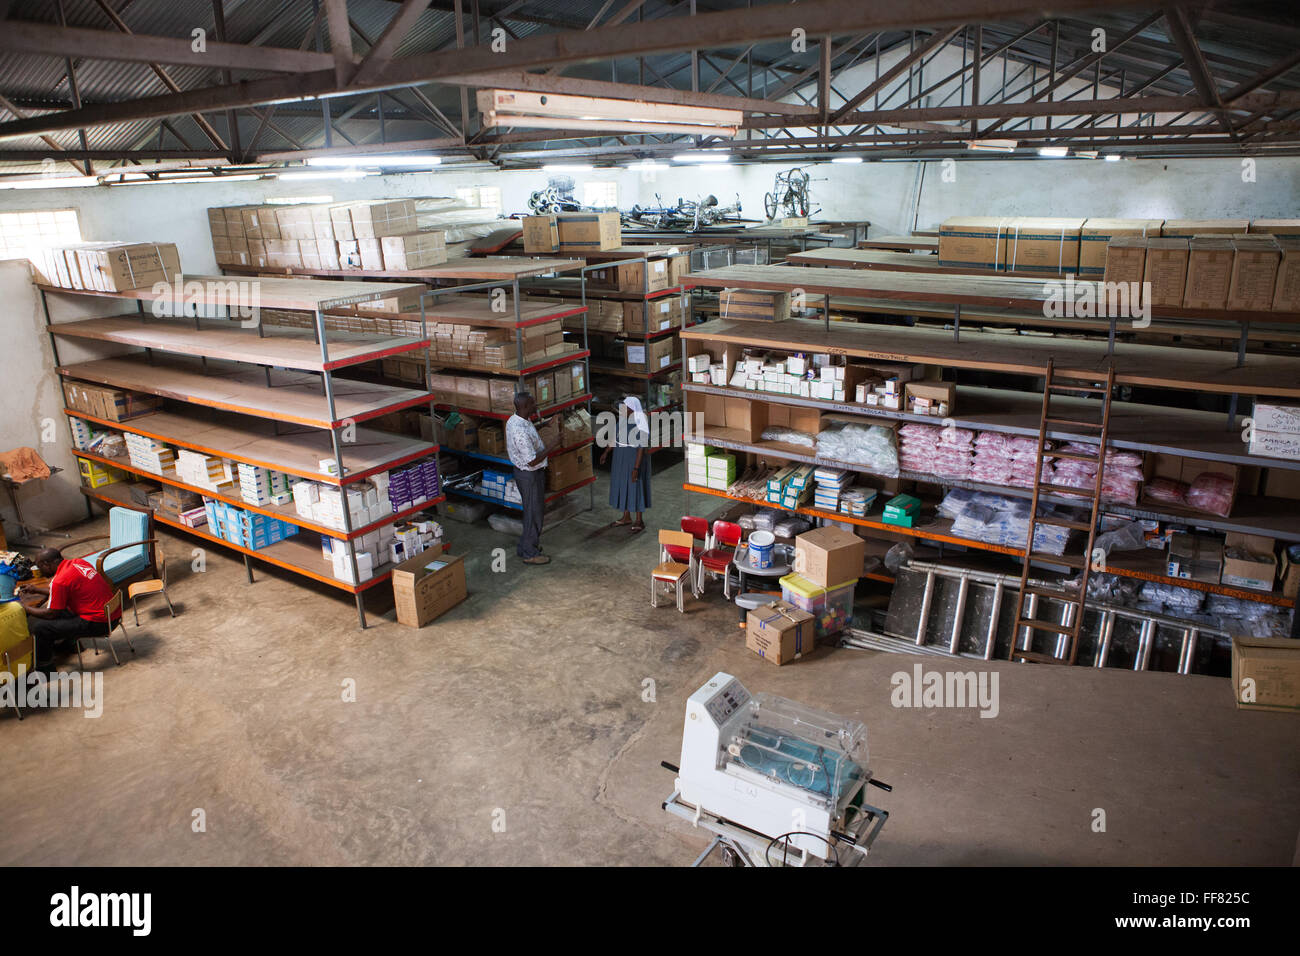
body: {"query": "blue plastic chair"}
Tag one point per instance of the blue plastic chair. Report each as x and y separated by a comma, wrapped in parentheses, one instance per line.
(131, 549)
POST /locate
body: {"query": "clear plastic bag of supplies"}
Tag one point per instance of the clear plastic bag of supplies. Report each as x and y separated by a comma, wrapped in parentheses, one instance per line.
(789, 436)
(871, 446)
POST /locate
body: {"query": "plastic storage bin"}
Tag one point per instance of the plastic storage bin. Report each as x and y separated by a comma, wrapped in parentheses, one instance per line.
(831, 608)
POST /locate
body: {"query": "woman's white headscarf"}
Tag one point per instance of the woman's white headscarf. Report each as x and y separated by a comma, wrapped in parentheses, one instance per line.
(638, 416)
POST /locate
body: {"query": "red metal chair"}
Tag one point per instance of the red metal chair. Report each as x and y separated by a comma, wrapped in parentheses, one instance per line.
(716, 558)
(698, 529)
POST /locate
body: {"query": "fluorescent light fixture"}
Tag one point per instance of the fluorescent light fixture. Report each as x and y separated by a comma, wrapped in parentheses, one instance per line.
(526, 110)
(702, 157)
(567, 168)
(648, 164)
(1112, 157)
(1086, 153)
(326, 174)
(847, 160)
(993, 145)
(145, 180)
(50, 182)
(1054, 152)
(413, 160)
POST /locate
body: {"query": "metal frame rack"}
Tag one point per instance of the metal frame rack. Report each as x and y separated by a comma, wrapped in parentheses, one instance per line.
(1188, 433)
(428, 308)
(285, 391)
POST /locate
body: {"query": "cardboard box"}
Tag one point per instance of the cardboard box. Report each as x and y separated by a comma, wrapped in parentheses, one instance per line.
(1266, 673)
(379, 218)
(590, 232)
(541, 234)
(119, 266)
(754, 305)
(638, 277)
(1042, 245)
(974, 242)
(678, 266)
(1095, 237)
(1185, 470)
(829, 556)
(1278, 228)
(294, 222)
(1203, 227)
(1210, 262)
(567, 469)
(942, 397)
(259, 222)
(1286, 290)
(1198, 557)
(1249, 561)
(1254, 273)
(1166, 271)
(426, 586)
(492, 440)
(1290, 586)
(745, 417)
(779, 632)
(417, 250)
(664, 313)
(649, 356)
(1124, 259)
(341, 221)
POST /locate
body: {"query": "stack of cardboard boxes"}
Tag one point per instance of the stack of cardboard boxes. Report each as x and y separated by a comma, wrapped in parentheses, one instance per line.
(497, 395)
(572, 233)
(111, 404)
(474, 345)
(108, 266)
(372, 235)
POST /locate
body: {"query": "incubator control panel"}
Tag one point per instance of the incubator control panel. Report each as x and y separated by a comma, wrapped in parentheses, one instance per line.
(727, 701)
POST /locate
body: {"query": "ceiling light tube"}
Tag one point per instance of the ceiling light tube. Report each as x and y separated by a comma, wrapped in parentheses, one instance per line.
(1054, 152)
(378, 159)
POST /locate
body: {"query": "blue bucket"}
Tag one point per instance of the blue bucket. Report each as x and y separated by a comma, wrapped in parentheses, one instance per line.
(760, 548)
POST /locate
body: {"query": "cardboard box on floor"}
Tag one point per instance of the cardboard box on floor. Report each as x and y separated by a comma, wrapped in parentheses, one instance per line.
(1095, 237)
(426, 586)
(779, 632)
(829, 556)
(1266, 673)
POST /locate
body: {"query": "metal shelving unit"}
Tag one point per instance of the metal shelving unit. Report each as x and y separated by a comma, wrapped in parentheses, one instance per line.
(237, 373)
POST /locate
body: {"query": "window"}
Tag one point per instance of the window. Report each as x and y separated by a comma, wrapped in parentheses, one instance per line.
(601, 195)
(23, 233)
(484, 197)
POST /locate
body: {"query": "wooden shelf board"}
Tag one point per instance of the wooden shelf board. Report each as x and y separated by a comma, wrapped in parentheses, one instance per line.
(301, 294)
(1126, 564)
(294, 554)
(510, 370)
(284, 347)
(1251, 514)
(1154, 365)
(997, 291)
(293, 397)
(572, 285)
(901, 242)
(285, 512)
(477, 311)
(253, 442)
(1176, 431)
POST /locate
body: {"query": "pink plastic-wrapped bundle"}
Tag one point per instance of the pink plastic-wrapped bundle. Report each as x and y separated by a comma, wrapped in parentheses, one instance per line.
(1211, 491)
(1167, 491)
(936, 450)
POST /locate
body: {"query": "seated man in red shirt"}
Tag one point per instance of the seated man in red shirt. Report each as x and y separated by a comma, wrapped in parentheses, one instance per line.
(77, 595)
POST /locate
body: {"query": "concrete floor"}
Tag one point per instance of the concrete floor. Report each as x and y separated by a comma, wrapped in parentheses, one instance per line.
(514, 731)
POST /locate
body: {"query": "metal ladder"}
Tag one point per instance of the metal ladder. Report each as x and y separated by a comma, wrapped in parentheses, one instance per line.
(1066, 646)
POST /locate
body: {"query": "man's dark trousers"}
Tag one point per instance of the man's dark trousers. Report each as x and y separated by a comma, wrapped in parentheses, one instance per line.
(66, 627)
(532, 489)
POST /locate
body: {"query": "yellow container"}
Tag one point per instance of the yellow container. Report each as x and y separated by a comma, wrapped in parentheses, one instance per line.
(17, 648)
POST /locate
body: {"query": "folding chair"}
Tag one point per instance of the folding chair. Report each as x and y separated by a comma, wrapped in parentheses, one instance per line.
(114, 604)
(717, 557)
(698, 529)
(672, 572)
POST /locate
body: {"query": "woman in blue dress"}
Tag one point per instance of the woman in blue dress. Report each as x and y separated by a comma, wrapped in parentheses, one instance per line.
(629, 480)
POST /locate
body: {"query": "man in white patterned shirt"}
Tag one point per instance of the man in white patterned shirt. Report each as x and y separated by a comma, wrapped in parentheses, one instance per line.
(528, 454)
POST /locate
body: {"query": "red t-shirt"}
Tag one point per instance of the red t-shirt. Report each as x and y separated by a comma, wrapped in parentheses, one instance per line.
(79, 588)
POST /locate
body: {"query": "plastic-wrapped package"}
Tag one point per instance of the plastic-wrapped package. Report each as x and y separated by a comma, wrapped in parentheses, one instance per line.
(789, 436)
(764, 520)
(1211, 492)
(899, 555)
(870, 446)
(1120, 478)
(1127, 537)
(791, 527)
(934, 450)
(1002, 459)
(1167, 491)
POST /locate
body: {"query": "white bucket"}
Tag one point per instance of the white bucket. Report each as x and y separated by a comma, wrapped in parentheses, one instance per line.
(760, 548)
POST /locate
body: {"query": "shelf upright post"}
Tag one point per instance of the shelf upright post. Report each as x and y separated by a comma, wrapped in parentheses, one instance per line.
(1241, 361)
(338, 463)
(956, 322)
